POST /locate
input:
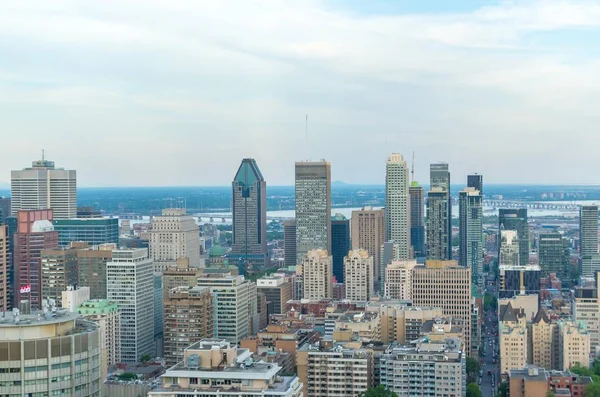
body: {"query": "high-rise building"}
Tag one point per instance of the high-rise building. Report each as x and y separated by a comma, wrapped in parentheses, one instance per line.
(12, 227)
(573, 345)
(4, 209)
(313, 207)
(368, 233)
(359, 277)
(554, 255)
(397, 205)
(174, 235)
(509, 249)
(182, 275)
(157, 297)
(74, 296)
(517, 280)
(542, 340)
(516, 219)
(585, 311)
(588, 230)
(277, 290)
(91, 263)
(398, 280)
(513, 336)
(317, 273)
(38, 349)
(188, 319)
(59, 270)
(94, 231)
(455, 296)
(129, 278)
(249, 247)
(235, 306)
(4, 266)
(417, 219)
(471, 232)
(475, 181)
(108, 317)
(289, 243)
(438, 213)
(212, 364)
(340, 244)
(439, 178)
(43, 187)
(35, 233)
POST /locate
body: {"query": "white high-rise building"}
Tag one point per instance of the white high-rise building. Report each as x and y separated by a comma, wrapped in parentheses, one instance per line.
(44, 186)
(129, 283)
(397, 205)
(398, 280)
(313, 207)
(317, 275)
(359, 277)
(174, 235)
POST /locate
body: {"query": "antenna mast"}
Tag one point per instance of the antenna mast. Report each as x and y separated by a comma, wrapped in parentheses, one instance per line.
(412, 169)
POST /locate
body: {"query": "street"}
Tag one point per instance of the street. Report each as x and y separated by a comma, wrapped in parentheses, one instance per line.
(489, 383)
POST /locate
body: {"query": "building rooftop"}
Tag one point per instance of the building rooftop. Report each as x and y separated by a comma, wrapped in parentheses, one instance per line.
(15, 318)
(97, 306)
(360, 317)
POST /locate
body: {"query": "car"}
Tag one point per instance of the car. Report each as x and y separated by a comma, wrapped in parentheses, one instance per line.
(480, 373)
(489, 373)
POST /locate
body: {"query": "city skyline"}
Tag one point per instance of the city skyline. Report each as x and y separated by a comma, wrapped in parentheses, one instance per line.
(472, 77)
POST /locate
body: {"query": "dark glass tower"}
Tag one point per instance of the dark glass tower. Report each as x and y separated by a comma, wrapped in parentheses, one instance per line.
(417, 219)
(439, 179)
(249, 248)
(516, 219)
(340, 244)
(475, 181)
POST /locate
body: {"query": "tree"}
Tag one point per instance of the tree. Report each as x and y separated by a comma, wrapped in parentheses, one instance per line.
(379, 391)
(550, 394)
(490, 302)
(473, 390)
(473, 368)
(502, 390)
(592, 390)
(145, 358)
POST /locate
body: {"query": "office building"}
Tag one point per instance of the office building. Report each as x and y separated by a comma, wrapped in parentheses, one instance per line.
(182, 275)
(45, 355)
(234, 304)
(398, 280)
(368, 233)
(157, 297)
(249, 192)
(397, 205)
(439, 178)
(4, 209)
(513, 337)
(59, 270)
(35, 233)
(174, 235)
(509, 249)
(554, 255)
(438, 213)
(589, 266)
(91, 263)
(213, 367)
(313, 207)
(289, 243)
(588, 230)
(188, 318)
(585, 311)
(537, 381)
(359, 275)
(425, 368)
(340, 244)
(94, 231)
(4, 267)
(43, 186)
(327, 368)
(516, 219)
(471, 232)
(317, 274)
(129, 278)
(454, 298)
(476, 182)
(108, 317)
(417, 219)
(277, 291)
(74, 296)
(518, 280)
(388, 253)
(12, 227)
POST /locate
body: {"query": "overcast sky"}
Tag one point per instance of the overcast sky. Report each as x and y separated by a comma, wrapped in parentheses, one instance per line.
(161, 93)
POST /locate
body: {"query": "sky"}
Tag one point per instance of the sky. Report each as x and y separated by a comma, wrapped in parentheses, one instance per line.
(176, 93)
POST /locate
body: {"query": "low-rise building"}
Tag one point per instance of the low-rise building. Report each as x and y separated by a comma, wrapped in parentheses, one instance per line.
(364, 326)
(402, 323)
(536, 381)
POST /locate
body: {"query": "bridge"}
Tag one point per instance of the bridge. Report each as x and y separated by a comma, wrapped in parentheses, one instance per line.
(537, 205)
(226, 217)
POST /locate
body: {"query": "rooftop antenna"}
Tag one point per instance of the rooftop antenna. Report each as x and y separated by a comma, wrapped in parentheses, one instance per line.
(412, 169)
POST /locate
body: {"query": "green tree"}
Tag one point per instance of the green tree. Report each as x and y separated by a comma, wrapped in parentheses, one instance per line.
(473, 368)
(145, 358)
(473, 390)
(379, 391)
(502, 390)
(490, 302)
(592, 390)
(550, 394)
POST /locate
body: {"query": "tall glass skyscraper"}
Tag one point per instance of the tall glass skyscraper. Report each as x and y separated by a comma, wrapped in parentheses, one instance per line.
(340, 244)
(439, 181)
(417, 219)
(249, 246)
(516, 219)
(471, 232)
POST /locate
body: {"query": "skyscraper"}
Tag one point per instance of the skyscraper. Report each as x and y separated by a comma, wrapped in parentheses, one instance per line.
(438, 243)
(368, 233)
(4, 256)
(359, 283)
(588, 230)
(340, 244)
(174, 235)
(553, 254)
(313, 207)
(509, 249)
(397, 205)
(94, 231)
(439, 178)
(516, 219)
(42, 187)
(59, 270)
(249, 246)
(4, 209)
(417, 219)
(471, 232)
(289, 243)
(130, 285)
(317, 275)
(475, 181)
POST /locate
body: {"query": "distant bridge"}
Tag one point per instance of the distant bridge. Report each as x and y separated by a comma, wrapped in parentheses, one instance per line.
(225, 217)
(537, 205)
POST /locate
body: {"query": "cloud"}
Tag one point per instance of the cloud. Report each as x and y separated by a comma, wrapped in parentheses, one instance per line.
(203, 84)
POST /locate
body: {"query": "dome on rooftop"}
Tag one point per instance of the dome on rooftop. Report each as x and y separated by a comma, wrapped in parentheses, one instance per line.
(217, 251)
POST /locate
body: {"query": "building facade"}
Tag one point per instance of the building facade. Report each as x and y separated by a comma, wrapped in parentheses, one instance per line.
(359, 275)
(4, 267)
(340, 244)
(439, 179)
(509, 249)
(249, 192)
(553, 251)
(398, 280)
(438, 213)
(417, 219)
(317, 275)
(397, 205)
(471, 232)
(475, 181)
(516, 219)
(588, 230)
(368, 233)
(43, 186)
(277, 290)
(59, 270)
(516, 280)
(289, 243)
(94, 231)
(91, 264)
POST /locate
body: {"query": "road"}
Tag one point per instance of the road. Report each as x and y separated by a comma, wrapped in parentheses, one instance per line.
(490, 326)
